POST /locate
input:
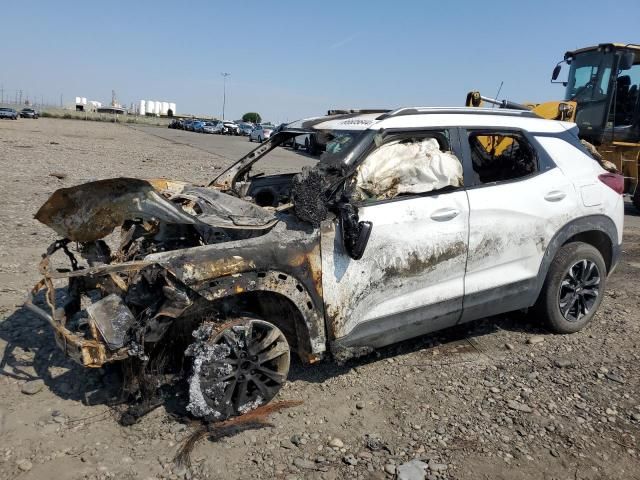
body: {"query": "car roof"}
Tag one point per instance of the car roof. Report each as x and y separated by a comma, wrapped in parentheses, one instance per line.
(428, 117)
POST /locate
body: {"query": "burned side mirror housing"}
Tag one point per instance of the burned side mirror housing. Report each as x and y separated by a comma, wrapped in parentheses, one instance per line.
(364, 232)
(355, 234)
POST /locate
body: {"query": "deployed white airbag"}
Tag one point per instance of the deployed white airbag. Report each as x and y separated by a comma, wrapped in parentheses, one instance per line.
(407, 166)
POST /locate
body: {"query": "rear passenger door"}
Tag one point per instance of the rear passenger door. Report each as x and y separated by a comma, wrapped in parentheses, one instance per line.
(518, 200)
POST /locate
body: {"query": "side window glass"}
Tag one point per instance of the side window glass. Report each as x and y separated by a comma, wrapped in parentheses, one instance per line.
(408, 164)
(626, 98)
(500, 156)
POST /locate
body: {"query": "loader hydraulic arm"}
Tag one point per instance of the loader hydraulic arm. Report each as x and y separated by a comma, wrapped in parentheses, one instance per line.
(554, 110)
(474, 99)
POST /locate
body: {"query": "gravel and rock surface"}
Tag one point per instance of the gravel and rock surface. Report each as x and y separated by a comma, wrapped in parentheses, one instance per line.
(501, 398)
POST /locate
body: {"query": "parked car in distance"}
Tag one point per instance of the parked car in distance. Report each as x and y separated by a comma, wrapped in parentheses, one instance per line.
(261, 133)
(213, 127)
(177, 124)
(230, 127)
(188, 125)
(245, 128)
(8, 113)
(197, 126)
(29, 113)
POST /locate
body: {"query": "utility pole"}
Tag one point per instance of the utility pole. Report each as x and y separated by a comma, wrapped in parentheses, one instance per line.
(1, 94)
(224, 91)
(60, 100)
(20, 98)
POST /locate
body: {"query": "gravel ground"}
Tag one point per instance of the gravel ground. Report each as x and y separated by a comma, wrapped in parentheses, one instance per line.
(498, 399)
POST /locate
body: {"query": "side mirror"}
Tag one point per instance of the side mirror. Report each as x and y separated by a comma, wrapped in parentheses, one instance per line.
(355, 234)
(556, 72)
(626, 60)
(364, 232)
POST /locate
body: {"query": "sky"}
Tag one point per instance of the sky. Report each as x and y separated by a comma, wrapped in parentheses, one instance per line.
(295, 59)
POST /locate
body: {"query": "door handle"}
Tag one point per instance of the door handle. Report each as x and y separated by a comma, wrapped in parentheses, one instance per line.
(444, 214)
(555, 196)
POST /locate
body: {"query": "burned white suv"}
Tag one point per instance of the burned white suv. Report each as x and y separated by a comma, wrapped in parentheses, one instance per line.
(412, 221)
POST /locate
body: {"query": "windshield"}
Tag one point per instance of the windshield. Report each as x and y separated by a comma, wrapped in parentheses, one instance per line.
(589, 85)
(589, 77)
(342, 146)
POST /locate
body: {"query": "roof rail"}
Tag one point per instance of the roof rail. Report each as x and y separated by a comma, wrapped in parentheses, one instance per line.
(363, 111)
(458, 110)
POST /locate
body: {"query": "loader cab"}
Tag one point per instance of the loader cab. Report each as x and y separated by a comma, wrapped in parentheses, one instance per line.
(604, 81)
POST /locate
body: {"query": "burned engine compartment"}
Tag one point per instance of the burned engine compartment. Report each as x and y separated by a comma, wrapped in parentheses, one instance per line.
(117, 299)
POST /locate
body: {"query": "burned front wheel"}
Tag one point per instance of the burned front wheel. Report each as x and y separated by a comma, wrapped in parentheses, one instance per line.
(237, 367)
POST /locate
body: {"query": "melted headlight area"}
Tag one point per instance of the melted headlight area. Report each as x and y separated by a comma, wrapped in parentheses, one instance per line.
(120, 306)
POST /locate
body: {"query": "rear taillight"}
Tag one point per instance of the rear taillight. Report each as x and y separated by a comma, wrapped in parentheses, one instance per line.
(613, 181)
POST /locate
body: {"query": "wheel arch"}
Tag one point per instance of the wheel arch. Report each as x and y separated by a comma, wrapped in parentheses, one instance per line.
(277, 297)
(596, 230)
(597, 239)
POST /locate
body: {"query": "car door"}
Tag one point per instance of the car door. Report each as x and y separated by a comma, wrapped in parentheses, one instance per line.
(516, 206)
(410, 279)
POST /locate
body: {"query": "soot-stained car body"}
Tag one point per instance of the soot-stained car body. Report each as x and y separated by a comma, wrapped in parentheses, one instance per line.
(412, 221)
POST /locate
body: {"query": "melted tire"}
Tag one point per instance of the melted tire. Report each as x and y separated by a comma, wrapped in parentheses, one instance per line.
(236, 367)
(560, 316)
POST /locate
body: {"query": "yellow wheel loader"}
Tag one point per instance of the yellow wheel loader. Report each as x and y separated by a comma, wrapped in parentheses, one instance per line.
(602, 97)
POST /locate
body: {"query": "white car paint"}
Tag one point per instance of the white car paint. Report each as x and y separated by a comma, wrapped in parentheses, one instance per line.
(407, 236)
(583, 172)
(511, 225)
(499, 231)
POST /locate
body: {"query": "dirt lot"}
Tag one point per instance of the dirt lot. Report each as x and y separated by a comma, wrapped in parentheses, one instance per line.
(498, 399)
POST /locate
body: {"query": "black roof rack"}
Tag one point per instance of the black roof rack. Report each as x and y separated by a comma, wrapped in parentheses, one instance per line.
(458, 111)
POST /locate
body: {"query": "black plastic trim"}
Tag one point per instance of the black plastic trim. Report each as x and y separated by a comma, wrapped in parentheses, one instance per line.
(589, 223)
(402, 325)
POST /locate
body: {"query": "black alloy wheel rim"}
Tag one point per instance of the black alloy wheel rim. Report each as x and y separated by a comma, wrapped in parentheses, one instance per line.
(258, 364)
(579, 290)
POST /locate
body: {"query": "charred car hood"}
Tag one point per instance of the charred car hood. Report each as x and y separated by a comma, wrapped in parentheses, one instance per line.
(91, 211)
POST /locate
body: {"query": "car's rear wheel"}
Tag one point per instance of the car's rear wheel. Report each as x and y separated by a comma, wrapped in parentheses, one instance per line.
(236, 367)
(574, 287)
